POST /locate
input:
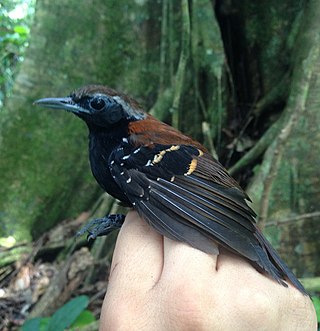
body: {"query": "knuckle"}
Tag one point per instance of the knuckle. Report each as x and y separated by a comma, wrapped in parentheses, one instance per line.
(250, 300)
(186, 307)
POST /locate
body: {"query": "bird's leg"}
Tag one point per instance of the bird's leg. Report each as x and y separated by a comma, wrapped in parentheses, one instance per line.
(102, 226)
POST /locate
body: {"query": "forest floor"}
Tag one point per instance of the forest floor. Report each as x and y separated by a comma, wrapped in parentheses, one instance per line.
(38, 278)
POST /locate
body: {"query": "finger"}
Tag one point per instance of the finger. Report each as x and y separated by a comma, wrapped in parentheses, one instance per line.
(232, 261)
(230, 264)
(138, 256)
(233, 269)
(183, 262)
(136, 267)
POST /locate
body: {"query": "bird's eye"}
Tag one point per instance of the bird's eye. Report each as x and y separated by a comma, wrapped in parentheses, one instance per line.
(97, 103)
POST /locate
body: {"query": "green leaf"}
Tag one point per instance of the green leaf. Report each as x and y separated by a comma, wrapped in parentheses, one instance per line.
(316, 303)
(44, 323)
(32, 325)
(85, 318)
(68, 313)
(36, 324)
(21, 30)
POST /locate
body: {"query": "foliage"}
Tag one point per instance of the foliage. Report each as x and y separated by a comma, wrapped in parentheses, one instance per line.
(221, 74)
(15, 19)
(44, 162)
(72, 314)
(316, 303)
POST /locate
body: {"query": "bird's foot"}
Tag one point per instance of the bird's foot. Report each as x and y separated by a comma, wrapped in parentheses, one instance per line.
(102, 226)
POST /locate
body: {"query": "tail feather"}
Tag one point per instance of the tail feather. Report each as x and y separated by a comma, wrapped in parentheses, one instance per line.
(273, 264)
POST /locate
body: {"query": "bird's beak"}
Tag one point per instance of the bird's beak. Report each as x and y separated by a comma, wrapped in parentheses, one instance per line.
(60, 103)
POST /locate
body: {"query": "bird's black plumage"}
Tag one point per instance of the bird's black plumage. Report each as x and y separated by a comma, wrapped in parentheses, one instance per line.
(171, 180)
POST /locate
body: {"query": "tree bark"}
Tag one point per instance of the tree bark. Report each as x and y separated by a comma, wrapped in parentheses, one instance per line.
(229, 73)
(45, 176)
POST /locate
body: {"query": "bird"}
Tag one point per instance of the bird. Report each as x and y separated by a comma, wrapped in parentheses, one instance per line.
(171, 180)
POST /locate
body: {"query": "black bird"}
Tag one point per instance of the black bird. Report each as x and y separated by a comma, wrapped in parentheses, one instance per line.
(170, 179)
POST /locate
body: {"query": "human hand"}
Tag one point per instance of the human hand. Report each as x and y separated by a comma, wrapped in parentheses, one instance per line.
(159, 284)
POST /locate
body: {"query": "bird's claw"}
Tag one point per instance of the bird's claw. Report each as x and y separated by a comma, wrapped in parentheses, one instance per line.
(101, 226)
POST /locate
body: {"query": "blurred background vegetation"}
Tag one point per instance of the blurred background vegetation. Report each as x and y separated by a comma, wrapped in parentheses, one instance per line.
(243, 77)
(16, 18)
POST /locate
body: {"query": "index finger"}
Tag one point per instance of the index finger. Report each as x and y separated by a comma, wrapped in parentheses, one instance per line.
(138, 256)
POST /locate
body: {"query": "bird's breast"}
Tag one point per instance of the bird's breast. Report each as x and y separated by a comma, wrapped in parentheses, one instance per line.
(99, 153)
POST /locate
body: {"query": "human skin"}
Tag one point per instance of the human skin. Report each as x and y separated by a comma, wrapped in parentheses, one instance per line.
(160, 284)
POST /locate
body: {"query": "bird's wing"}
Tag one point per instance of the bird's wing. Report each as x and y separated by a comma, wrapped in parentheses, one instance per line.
(188, 196)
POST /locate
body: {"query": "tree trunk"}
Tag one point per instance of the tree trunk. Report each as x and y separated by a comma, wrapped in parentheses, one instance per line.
(45, 176)
(240, 76)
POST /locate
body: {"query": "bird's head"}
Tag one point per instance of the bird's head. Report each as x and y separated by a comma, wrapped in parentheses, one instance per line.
(98, 106)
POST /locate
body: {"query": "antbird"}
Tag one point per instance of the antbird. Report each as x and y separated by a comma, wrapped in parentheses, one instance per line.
(168, 178)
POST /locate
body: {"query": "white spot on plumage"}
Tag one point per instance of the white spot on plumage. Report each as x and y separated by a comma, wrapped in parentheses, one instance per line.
(149, 163)
(125, 140)
(126, 157)
(136, 151)
(122, 173)
(128, 180)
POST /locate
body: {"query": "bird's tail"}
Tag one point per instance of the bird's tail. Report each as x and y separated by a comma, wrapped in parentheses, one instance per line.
(275, 266)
